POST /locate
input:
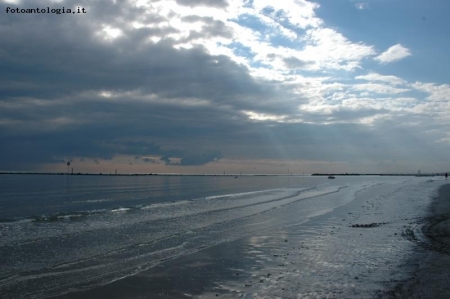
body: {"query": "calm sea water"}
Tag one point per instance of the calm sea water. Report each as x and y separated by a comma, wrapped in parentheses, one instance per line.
(66, 233)
(50, 196)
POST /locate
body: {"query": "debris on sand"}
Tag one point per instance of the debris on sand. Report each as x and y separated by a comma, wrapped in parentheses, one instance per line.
(374, 224)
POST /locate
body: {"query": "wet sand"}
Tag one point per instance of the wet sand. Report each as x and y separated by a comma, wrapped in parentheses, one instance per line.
(431, 275)
(366, 249)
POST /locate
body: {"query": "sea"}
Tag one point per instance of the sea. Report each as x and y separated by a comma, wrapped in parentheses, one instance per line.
(67, 233)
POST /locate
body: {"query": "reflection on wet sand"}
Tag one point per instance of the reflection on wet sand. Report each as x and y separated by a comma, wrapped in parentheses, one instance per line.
(431, 262)
(360, 250)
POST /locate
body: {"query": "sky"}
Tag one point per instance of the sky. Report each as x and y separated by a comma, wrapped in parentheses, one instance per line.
(235, 86)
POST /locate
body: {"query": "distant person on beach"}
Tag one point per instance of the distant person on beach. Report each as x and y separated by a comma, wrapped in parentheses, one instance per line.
(446, 175)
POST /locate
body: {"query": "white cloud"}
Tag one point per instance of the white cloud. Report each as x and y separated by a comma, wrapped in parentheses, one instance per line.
(394, 53)
(436, 92)
(334, 51)
(382, 78)
(264, 117)
(362, 6)
(109, 33)
(222, 31)
(378, 88)
(299, 12)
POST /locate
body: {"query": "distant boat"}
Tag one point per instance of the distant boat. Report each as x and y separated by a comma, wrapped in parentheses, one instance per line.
(331, 177)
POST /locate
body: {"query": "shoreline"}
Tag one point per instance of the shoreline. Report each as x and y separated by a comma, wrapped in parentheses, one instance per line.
(431, 262)
(107, 174)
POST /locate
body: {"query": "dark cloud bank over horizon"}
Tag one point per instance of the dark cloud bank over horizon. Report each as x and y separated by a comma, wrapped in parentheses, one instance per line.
(278, 141)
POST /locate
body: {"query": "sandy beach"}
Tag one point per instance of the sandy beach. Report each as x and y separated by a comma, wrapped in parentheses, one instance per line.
(370, 248)
(432, 262)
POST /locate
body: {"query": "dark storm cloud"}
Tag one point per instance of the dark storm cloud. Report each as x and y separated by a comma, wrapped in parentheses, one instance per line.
(195, 159)
(47, 58)
(201, 159)
(55, 147)
(107, 129)
(149, 160)
(165, 159)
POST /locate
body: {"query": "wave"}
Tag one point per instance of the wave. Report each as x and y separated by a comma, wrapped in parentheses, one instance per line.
(94, 200)
(164, 204)
(120, 210)
(63, 216)
(130, 244)
(124, 259)
(66, 216)
(233, 195)
(172, 209)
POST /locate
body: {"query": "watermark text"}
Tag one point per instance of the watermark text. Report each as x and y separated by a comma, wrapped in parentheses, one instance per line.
(45, 10)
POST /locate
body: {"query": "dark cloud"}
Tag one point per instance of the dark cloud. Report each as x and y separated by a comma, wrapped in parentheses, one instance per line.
(56, 147)
(53, 68)
(200, 159)
(165, 159)
(189, 159)
(149, 160)
(211, 28)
